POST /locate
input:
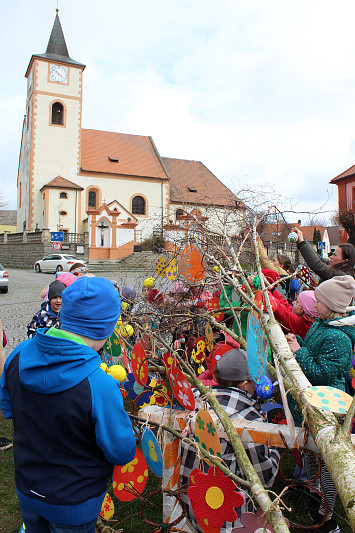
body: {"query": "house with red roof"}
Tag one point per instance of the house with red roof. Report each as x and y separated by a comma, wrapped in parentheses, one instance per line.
(114, 186)
(346, 195)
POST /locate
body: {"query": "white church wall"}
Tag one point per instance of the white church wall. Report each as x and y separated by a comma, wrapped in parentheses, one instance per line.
(124, 235)
(56, 205)
(24, 170)
(123, 190)
(55, 146)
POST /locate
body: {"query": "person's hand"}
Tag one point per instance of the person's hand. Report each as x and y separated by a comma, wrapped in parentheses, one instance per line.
(251, 279)
(292, 342)
(299, 234)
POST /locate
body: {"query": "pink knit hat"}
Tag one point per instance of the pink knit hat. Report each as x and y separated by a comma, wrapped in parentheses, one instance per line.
(177, 288)
(66, 278)
(307, 300)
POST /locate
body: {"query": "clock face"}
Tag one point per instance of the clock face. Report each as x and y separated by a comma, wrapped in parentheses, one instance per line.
(58, 73)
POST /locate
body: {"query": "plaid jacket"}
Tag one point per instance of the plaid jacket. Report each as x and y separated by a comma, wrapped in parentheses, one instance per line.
(237, 404)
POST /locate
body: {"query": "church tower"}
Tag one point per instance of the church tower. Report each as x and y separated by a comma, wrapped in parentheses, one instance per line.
(50, 144)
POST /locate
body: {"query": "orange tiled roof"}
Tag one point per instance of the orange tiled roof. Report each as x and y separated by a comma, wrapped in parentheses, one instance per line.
(345, 174)
(136, 154)
(192, 182)
(269, 231)
(62, 183)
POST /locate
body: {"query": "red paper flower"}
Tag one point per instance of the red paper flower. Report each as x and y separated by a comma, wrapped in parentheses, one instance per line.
(213, 498)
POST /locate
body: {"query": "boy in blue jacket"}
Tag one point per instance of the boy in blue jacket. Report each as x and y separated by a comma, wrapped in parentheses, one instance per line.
(70, 426)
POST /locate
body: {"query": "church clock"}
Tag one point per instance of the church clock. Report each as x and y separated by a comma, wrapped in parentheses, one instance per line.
(58, 73)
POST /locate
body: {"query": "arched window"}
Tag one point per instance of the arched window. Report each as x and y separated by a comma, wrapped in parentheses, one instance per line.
(63, 195)
(138, 205)
(63, 213)
(179, 212)
(57, 114)
(92, 199)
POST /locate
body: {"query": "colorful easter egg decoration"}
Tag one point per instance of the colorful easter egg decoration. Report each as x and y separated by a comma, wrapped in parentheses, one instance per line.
(112, 345)
(292, 237)
(221, 350)
(265, 389)
(107, 507)
(213, 305)
(118, 325)
(255, 350)
(209, 337)
(259, 301)
(206, 435)
(199, 352)
(304, 273)
(213, 498)
(181, 388)
(191, 264)
(172, 269)
(168, 359)
(152, 452)
(160, 266)
(22, 528)
(127, 330)
(117, 372)
(329, 399)
(160, 396)
(133, 474)
(139, 364)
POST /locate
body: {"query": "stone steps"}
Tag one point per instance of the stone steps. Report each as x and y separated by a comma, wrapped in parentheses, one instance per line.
(137, 262)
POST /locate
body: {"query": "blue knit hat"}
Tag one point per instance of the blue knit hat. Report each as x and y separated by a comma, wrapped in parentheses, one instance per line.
(90, 307)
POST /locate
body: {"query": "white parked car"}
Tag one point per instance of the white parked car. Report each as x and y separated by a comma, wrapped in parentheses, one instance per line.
(57, 263)
(4, 279)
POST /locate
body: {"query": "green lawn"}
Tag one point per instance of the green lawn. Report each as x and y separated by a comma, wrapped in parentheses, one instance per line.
(128, 515)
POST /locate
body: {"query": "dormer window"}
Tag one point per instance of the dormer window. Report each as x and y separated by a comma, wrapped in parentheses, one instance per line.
(113, 159)
(63, 195)
(57, 114)
(191, 189)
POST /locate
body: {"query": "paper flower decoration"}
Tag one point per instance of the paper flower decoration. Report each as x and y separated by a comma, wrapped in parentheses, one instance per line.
(132, 387)
(107, 507)
(253, 523)
(213, 498)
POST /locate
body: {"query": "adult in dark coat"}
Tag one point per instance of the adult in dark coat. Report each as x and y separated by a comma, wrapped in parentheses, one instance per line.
(341, 263)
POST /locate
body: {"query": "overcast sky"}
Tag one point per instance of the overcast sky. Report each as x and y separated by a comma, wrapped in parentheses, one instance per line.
(259, 91)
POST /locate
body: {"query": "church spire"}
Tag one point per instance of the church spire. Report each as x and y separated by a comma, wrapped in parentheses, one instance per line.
(57, 49)
(56, 44)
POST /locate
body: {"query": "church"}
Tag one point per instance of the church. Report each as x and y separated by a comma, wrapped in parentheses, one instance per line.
(113, 186)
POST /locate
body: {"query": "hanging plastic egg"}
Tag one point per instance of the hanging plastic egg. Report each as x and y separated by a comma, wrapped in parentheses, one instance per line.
(264, 389)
